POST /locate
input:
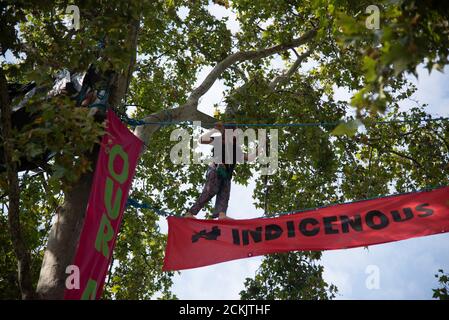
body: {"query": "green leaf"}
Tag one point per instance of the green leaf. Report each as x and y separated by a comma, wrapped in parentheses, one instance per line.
(347, 128)
(369, 66)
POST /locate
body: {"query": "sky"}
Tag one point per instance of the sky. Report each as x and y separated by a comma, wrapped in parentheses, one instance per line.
(405, 269)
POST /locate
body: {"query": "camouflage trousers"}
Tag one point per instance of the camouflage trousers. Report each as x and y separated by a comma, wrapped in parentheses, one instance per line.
(215, 186)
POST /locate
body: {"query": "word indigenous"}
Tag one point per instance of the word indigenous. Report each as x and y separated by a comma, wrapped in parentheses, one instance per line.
(310, 227)
(194, 243)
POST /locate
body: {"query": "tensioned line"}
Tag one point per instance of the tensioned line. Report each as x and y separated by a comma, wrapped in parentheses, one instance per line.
(136, 122)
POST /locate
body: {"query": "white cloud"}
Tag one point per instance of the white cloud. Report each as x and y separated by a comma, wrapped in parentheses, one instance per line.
(433, 90)
(220, 281)
(221, 12)
(406, 267)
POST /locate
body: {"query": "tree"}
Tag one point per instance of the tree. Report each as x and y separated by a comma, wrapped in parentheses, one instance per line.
(156, 49)
(442, 293)
(291, 276)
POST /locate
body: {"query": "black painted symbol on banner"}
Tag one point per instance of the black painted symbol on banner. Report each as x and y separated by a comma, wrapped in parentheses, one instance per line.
(211, 235)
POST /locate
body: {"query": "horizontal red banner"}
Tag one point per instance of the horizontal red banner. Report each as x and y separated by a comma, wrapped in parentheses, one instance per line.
(194, 243)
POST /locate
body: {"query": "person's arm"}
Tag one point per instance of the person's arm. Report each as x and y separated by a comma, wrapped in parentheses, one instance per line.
(207, 137)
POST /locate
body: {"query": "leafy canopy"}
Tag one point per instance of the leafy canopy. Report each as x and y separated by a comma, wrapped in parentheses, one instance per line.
(176, 40)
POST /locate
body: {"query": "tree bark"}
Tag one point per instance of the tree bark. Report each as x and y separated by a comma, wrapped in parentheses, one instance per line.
(20, 247)
(63, 239)
(66, 230)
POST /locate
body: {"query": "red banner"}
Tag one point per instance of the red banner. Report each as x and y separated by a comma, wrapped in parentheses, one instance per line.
(115, 169)
(194, 243)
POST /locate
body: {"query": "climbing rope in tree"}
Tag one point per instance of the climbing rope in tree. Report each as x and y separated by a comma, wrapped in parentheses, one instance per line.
(139, 205)
(135, 123)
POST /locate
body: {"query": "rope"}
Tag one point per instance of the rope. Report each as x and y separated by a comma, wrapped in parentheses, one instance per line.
(135, 122)
(134, 203)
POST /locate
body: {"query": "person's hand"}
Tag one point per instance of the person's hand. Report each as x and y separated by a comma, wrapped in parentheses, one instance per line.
(89, 99)
(219, 126)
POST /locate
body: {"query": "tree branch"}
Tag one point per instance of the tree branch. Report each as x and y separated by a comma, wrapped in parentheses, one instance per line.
(405, 157)
(442, 139)
(277, 80)
(390, 150)
(20, 248)
(188, 110)
(144, 132)
(120, 86)
(286, 75)
(237, 57)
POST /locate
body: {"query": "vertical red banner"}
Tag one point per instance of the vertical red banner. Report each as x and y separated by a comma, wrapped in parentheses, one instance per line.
(114, 172)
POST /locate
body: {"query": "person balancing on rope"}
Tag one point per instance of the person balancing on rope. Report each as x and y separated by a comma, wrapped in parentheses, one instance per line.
(226, 154)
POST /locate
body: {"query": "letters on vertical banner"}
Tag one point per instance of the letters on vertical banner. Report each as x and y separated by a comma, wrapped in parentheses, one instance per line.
(194, 243)
(116, 164)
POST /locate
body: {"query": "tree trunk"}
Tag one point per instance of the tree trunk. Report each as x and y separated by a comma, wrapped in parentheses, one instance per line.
(63, 239)
(66, 229)
(13, 191)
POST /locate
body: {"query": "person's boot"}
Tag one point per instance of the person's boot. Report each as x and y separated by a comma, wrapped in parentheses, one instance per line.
(223, 216)
(189, 215)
